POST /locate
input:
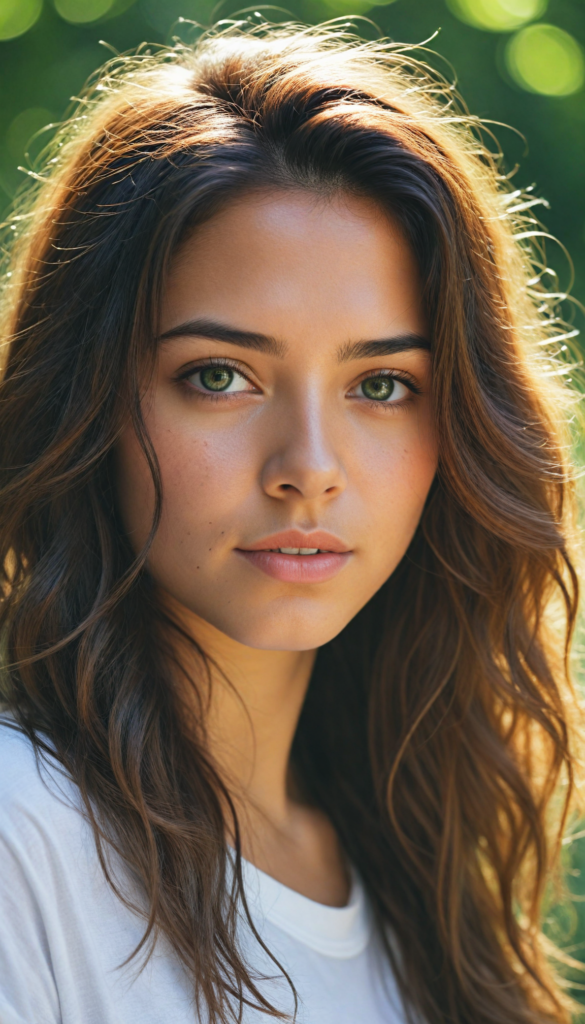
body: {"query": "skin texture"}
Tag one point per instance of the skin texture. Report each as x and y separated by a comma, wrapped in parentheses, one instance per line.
(299, 446)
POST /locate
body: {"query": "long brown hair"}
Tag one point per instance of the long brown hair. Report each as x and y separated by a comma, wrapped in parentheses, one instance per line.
(436, 726)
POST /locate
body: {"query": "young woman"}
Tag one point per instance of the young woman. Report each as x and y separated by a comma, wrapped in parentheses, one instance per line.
(285, 516)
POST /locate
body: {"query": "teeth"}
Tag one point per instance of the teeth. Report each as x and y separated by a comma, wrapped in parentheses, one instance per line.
(298, 551)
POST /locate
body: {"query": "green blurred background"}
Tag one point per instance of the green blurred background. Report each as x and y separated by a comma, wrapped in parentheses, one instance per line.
(519, 63)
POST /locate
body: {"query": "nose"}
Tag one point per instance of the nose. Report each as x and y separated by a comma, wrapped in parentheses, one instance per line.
(304, 461)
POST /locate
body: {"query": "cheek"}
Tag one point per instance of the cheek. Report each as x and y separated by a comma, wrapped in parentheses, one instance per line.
(205, 477)
(395, 479)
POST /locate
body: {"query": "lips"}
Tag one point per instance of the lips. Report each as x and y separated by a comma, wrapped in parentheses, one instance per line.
(319, 539)
(332, 555)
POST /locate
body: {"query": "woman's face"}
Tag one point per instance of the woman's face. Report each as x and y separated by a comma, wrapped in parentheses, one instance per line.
(290, 411)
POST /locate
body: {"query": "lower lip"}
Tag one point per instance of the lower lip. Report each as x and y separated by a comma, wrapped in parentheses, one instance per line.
(298, 568)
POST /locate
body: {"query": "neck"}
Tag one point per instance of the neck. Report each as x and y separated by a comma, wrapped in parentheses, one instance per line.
(255, 701)
(254, 704)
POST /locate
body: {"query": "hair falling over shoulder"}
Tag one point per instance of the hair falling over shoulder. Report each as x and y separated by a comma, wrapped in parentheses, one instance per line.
(437, 733)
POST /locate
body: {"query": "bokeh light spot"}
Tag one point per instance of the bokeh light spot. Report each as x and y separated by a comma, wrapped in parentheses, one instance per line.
(17, 16)
(497, 15)
(23, 127)
(546, 59)
(81, 11)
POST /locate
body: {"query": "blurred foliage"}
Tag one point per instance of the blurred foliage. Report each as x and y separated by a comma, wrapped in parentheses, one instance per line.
(517, 63)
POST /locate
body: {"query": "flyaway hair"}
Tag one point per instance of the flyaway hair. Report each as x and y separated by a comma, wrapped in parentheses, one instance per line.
(437, 726)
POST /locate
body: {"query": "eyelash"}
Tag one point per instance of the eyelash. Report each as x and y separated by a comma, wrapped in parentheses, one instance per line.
(400, 375)
(182, 378)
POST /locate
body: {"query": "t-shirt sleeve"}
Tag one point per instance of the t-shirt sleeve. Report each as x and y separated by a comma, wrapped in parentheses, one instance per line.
(28, 993)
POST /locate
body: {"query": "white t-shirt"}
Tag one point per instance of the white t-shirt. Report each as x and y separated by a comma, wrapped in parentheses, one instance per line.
(64, 934)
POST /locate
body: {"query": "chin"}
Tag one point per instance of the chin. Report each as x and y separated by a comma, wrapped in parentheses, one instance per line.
(282, 632)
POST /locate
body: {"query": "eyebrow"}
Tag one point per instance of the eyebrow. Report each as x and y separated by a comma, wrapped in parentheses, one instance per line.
(382, 347)
(215, 331)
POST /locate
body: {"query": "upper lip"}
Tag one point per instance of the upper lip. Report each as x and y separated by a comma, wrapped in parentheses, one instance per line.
(295, 539)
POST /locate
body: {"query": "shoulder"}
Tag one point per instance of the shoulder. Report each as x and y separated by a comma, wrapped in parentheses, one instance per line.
(35, 792)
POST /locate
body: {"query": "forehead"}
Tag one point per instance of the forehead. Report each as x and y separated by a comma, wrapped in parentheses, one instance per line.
(296, 266)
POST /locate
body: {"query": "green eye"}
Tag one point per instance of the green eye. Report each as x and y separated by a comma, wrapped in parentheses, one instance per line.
(216, 378)
(379, 389)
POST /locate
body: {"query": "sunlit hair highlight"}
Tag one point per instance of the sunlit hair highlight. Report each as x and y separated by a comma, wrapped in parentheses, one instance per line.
(437, 726)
